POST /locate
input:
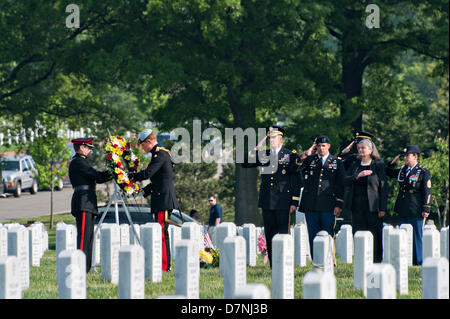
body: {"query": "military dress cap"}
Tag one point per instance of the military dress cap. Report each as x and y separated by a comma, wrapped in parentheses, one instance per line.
(273, 130)
(411, 149)
(322, 139)
(359, 135)
(144, 134)
(83, 141)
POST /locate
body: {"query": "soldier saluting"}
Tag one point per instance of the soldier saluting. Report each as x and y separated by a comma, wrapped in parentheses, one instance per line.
(280, 184)
(83, 178)
(413, 204)
(323, 192)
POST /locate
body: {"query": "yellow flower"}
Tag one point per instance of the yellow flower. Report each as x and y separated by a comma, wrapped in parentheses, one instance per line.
(127, 158)
(118, 170)
(131, 165)
(205, 257)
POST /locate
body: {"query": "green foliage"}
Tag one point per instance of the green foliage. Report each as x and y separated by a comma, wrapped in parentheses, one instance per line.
(50, 153)
(438, 164)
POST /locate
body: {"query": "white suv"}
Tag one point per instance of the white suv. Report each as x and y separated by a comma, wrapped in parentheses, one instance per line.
(19, 173)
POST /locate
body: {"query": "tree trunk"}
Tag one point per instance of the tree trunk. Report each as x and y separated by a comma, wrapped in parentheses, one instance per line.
(246, 196)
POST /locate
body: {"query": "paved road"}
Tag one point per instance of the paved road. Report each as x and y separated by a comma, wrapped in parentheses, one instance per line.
(28, 206)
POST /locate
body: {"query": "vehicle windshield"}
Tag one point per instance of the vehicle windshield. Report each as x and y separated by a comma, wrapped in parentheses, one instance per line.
(10, 165)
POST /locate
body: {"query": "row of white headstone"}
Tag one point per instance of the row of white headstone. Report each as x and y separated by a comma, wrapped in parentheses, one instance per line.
(20, 248)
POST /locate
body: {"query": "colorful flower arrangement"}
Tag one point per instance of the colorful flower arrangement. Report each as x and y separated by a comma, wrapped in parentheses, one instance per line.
(209, 257)
(118, 150)
(262, 247)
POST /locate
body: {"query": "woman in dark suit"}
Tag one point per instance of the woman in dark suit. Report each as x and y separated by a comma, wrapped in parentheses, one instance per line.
(367, 193)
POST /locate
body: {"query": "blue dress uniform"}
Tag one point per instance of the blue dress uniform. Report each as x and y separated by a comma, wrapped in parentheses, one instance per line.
(83, 178)
(414, 197)
(323, 191)
(279, 189)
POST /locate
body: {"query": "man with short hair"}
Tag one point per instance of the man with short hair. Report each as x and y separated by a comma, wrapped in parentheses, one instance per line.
(163, 200)
(84, 199)
(323, 193)
(413, 204)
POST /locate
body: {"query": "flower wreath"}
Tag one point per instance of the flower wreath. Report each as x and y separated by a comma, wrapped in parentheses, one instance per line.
(117, 149)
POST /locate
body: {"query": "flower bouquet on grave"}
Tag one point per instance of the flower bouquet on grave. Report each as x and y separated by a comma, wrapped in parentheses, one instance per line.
(262, 247)
(209, 257)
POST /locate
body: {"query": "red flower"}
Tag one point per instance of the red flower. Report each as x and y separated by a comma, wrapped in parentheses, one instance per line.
(119, 164)
(109, 156)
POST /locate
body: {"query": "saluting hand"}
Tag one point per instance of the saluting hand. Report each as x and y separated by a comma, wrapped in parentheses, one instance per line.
(395, 160)
(348, 148)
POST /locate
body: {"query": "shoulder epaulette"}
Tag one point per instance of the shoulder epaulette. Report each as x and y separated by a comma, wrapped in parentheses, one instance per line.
(160, 148)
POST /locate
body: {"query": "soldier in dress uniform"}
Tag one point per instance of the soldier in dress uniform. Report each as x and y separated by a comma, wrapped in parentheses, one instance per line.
(162, 190)
(280, 183)
(323, 192)
(84, 199)
(413, 204)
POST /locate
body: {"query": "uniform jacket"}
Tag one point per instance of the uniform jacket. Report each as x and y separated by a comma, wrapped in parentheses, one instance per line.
(323, 185)
(160, 172)
(280, 184)
(414, 195)
(82, 173)
(377, 188)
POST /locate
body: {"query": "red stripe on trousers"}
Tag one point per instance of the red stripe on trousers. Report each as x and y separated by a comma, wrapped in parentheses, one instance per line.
(83, 222)
(161, 218)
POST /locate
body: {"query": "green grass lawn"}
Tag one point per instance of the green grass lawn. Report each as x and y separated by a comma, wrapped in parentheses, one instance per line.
(43, 278)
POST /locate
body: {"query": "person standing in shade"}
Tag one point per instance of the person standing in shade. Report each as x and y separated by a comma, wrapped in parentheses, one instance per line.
(215, 216)
(83, 178)
(413, 204)
(162, 190)
(368, 192)
(323, 192)
(280, 183)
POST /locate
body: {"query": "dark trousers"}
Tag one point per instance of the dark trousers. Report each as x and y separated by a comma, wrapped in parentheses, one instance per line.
(160, 218)
(85, 235)
(365, 220)
(275, 222)
(417, 224)
(316, 222)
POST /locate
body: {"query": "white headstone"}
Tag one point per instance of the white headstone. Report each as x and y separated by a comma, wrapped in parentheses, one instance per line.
(187, 269)
(233, 257)
(252, 291)
(409, 242)
(301, 218)
(137, 230)
(131, 272)
(71, 274)
(399, 258)
(249, 232)
(300, 247)
(152, 243)
(18, 246)
(363, 242)
(124, 234)
(193, 231)
(386, 233)
(344, 243)
(3, 241)
(431, 243)
(10, 287)
(319, 285)
(282, 267)
(35, 244)
(110, 245)
(381, 282)
(175, 236)
(224, 230)
(240, 231)
(435, 278)
(444, 243)
(323, 251)
(96, 244)
(66, 237)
